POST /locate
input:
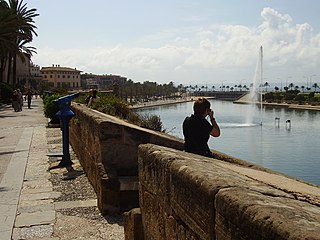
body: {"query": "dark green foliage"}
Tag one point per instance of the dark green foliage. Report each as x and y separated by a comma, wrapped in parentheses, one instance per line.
(278, 96)
(151, 122)
(50, 108)
(289, 96)
(115, 106)
(5, 92)
(300, 98)
(311, 95)
(269, 96)
(112, 105)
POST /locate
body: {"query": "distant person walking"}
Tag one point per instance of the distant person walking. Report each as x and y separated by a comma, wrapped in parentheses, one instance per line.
(197, 130)
(29, 98)
(20, 99)
(15, 101)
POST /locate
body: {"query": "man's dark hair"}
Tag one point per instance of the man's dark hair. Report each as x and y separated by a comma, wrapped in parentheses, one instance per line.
(201, 105)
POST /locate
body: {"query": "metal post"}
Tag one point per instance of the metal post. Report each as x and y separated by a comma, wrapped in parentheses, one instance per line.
(65, 114)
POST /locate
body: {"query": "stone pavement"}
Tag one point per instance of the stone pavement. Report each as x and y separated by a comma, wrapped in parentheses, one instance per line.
(39, 204)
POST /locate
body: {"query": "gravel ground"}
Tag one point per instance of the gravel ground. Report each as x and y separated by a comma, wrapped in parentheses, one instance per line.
(78, 222)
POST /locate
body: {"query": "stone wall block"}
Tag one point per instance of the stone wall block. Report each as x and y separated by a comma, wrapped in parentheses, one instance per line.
(133, 229)
(111, 132)
(152, 215)
(109, 195)
(254, 215)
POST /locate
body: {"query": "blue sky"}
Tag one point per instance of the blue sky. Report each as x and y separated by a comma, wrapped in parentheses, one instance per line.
(184, 41)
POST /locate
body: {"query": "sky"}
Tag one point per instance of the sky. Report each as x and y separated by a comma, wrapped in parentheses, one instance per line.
(204, 42)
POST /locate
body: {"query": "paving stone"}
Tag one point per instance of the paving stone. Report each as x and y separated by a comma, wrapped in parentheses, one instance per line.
(36, 218)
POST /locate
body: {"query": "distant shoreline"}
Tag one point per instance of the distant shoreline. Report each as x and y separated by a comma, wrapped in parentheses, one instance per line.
(191, 99)
(283, 105)
(165, 102)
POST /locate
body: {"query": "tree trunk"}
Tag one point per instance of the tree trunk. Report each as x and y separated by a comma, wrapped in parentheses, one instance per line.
(9, 69)
(2, 69)
(14, 70)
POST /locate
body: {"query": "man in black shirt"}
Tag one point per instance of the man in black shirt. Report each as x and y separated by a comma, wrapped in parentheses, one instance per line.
(197, 130)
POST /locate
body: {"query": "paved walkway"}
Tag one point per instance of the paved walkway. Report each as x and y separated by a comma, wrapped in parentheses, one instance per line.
(36, 203)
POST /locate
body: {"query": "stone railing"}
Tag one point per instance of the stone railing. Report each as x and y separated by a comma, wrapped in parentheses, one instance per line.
(107, 148)
(186, 196)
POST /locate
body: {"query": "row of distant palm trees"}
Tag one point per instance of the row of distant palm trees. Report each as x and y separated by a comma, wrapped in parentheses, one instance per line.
(240, 87)
(17, 30)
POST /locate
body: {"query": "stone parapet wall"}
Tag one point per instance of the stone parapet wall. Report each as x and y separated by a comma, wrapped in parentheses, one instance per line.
(107, 148)
(186, 196)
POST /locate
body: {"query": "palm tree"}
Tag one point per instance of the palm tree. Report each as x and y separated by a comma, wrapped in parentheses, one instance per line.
(7, 30)
(291, 86)
(315, 86)
(266, 84)
(22, 32)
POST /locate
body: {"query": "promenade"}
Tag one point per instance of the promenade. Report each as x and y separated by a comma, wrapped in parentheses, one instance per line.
(246, 100)
(40, 204)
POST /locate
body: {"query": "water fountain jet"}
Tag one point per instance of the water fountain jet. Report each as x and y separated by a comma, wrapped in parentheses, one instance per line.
(255, 95)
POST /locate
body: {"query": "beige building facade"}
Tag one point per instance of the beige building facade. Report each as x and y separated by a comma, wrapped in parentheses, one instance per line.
(57, 76)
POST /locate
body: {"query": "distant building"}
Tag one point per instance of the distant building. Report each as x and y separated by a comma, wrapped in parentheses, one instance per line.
(23, 71)
(105, 81)
(57, 76)
(35, 76)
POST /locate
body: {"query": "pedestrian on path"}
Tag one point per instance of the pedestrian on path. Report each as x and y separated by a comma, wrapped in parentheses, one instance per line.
(15, 101)
(20, 99)
(29, 97)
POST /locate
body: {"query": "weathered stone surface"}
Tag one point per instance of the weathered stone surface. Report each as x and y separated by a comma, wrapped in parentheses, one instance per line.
(133, 229)
(253, 215)
(108, 144)
(186, 196)
(35, 218)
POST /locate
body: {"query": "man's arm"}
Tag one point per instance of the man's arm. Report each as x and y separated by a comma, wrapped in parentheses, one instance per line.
(215, 132)
(216, 129)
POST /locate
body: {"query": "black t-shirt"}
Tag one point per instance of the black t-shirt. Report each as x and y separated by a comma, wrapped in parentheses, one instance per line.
(196, 131)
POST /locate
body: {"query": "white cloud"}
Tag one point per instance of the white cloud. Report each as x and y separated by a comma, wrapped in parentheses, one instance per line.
(210, 54)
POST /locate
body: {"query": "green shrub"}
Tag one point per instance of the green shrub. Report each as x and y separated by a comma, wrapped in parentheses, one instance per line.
(112, 105)
(311, 95)
(115, 106)
(289, 96)
(300, 98)
(5, 92)
(50, 108)
(269, 96)
(151, 122)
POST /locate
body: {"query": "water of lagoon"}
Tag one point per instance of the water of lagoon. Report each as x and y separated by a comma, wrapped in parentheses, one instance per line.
(294, 150)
